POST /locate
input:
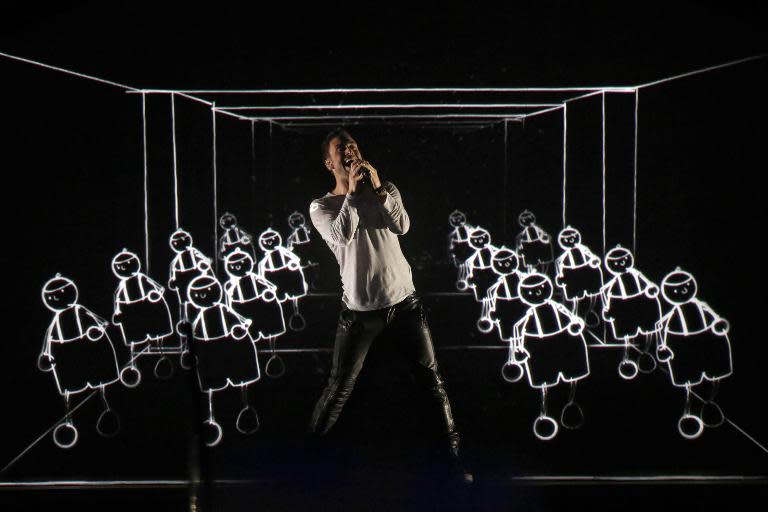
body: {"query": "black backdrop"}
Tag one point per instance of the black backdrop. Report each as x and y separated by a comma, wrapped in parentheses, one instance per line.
(74, 198)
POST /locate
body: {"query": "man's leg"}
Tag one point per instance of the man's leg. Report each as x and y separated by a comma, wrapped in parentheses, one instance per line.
(415, 340)
(355, 332)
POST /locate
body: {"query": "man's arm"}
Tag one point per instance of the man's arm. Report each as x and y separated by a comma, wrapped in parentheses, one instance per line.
(336, 229)
(394, 213)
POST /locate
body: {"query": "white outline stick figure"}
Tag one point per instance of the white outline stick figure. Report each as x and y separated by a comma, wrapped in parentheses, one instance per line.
(631, 307)
(282, 268)
(79, 353)
(188, 264)
(480, 274)
(506, 306)
(225, 352)
(233, 237)
(534, 245)
(578, 273)
(255, 298)
(459, 250)
(548, 346)
(695, 346)
(142, 313)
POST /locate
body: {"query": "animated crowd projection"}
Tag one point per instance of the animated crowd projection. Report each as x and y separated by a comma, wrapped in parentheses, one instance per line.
(544, 319)
(220, 324)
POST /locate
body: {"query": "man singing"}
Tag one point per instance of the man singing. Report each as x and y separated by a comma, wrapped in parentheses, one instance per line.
(360, 220)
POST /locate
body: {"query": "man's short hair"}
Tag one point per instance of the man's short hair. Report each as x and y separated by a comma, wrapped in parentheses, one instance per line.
(336, 132)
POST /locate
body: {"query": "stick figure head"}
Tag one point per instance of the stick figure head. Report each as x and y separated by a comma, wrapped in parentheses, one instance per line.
(227, 221)
(619, 260)
(457, 218)
(526, 218)
(569, 237)
(479, 238)
(59, 293)
(535, 289)
(204, 291)
(296, 220)
(238, 263)
(125, 264)
(180, 240)
(270, 239)
(505, 261)
(679, 287)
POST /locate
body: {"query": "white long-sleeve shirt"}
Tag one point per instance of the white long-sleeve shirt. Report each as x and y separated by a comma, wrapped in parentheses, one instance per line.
(361, 231)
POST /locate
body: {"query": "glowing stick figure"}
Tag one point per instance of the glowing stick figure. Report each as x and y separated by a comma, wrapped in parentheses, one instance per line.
(225, 353)
(79, 353)
(188, 264)
(234, 237)
(459, 249)
(141, 312)
(631, 307)
(695, 346)
(282, 268)
(481, 275)
(549, 347)
(506, 306)
(533, 244)
(298, 240)
(578, 272)
(253, 297)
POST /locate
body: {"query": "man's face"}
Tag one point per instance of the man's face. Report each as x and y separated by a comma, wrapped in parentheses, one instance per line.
(342, 151)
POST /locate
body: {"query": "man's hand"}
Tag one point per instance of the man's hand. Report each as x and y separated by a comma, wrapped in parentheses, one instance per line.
(357, 172)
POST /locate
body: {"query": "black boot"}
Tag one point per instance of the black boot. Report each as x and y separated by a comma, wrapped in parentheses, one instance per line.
(456, 470)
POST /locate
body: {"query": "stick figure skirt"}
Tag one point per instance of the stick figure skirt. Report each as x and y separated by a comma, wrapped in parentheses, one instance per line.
(555, 357)
(698, 356)
(82, 363)
(226, 361)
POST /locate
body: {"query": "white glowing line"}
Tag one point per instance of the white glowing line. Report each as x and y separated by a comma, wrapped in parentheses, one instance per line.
(69, 413)
(703, 70)
(534, 114)
(634, 185)
(565, 154)
(67, 71)
(392, 106)
(230, 114)
(146, 191)
(743, 432)
(195, 98)
(603, 143)
(403, 116)
(215, 190)
(530, 478)
(389, 90)
(175, 171)
(506, 170)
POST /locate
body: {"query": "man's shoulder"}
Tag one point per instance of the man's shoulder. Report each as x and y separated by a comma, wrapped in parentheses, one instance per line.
(328, 200)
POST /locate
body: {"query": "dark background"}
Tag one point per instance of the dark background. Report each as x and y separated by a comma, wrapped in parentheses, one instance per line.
(74, 197)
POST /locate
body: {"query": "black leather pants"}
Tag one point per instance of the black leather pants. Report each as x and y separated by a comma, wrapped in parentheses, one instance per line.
(355, 332)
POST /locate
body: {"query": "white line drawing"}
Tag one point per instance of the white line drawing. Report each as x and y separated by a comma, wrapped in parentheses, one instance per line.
(298, 240)
(548, 346)
(459, 249)
(188, 264)
(480, 274)
(255, 298)
(282, 268)
(506, 307)
(695, 346)
(225, 353)
(578, 273)
(631, 307)
(142, 313)
(79, 353)
(234, 237)
(534, 245)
